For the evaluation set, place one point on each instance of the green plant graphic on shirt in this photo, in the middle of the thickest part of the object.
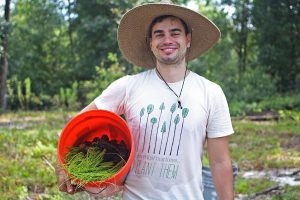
(173, 108)
(163, 130)
(142, 112)
(150, 109)
(176, 121)
(161, 108)
(185, 112)
(153, 121)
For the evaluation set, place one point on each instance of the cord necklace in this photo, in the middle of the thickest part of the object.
(178, 96)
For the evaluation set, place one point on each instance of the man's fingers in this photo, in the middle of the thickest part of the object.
(64, 183)
(62, 187)
(61, 180)
(70, 188)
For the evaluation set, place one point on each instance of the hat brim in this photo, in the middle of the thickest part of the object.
(133, 30)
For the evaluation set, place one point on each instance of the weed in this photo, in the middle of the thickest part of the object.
(29, 139)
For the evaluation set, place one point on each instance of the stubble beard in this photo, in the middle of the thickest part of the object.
(176, 59)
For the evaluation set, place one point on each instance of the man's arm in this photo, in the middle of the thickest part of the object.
(91, 106)
(220, 165)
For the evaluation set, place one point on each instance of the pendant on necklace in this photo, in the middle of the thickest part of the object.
(179, 103)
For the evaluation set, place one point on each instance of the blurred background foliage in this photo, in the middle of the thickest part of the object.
(56, 56)
(63, 53)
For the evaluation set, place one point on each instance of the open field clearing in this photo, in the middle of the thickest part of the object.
(267, 155)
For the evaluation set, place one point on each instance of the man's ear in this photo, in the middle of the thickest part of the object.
(188, 40)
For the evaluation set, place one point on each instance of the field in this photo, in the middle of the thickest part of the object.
(270, 151)
(262, 151)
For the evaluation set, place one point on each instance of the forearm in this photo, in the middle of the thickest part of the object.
(91, 106)
(223, 179)
(220, 165)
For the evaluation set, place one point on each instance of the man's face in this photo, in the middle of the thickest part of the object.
(169, 41)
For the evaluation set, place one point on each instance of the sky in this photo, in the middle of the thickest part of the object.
(192, 5)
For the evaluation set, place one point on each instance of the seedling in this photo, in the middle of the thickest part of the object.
(96, 161)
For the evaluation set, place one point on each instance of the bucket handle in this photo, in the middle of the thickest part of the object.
(95, 193)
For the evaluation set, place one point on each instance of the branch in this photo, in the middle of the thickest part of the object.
(48, 163)
(277, 187)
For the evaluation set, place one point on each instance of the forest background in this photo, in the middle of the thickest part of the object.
(63, 53)
(56, 56)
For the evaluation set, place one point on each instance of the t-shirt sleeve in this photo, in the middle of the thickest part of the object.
(113, 97)
(219, 121)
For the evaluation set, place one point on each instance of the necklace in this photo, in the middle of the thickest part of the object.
(178, 96)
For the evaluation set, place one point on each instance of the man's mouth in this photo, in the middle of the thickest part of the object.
(168, 50)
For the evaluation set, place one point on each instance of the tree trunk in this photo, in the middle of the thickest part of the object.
(3, 59)
(69, 26)
(243, 36)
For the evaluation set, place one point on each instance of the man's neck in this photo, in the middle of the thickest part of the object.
(172, 73)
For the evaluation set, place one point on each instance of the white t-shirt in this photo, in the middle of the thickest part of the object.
(169, 140)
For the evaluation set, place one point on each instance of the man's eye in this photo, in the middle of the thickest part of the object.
(159, 35)
(175, 34)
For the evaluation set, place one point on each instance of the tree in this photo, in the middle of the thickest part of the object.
(39, 46)
(218, 63)
(223, 63)
(242, 23)
(3, 52)
(278, 25)
(94, 25)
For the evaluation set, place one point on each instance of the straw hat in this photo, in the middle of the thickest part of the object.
(134, 27)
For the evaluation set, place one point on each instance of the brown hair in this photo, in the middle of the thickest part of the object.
(161, 18)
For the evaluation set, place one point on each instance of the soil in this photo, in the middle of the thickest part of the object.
(114, 152)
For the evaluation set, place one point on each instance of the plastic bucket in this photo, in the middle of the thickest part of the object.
(85, 127)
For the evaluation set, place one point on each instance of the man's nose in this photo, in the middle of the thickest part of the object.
(168, 39)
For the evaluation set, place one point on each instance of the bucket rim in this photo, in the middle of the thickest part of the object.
(90, 114)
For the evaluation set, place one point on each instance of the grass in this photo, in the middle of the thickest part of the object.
(28, 154)
(291, 193)
(260, 146)
(28, 143)
(252, 186)
(266, 146)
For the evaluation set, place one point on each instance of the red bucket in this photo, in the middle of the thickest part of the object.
(85, 127)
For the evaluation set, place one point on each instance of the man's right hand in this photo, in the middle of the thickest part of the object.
(63, 181)
(65, 185)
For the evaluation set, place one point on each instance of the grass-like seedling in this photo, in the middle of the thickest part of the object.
(95, 161)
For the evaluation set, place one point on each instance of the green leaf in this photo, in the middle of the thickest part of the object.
(164, 127)
(173, 108)
(162, 106)
(150, 108)
(153, 120)
(185, 112)
(177, 119)
(142, 112)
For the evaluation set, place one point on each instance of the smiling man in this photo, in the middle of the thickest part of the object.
(169, 40)
(170, 110)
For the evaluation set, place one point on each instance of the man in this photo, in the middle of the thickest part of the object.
(170, 110)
